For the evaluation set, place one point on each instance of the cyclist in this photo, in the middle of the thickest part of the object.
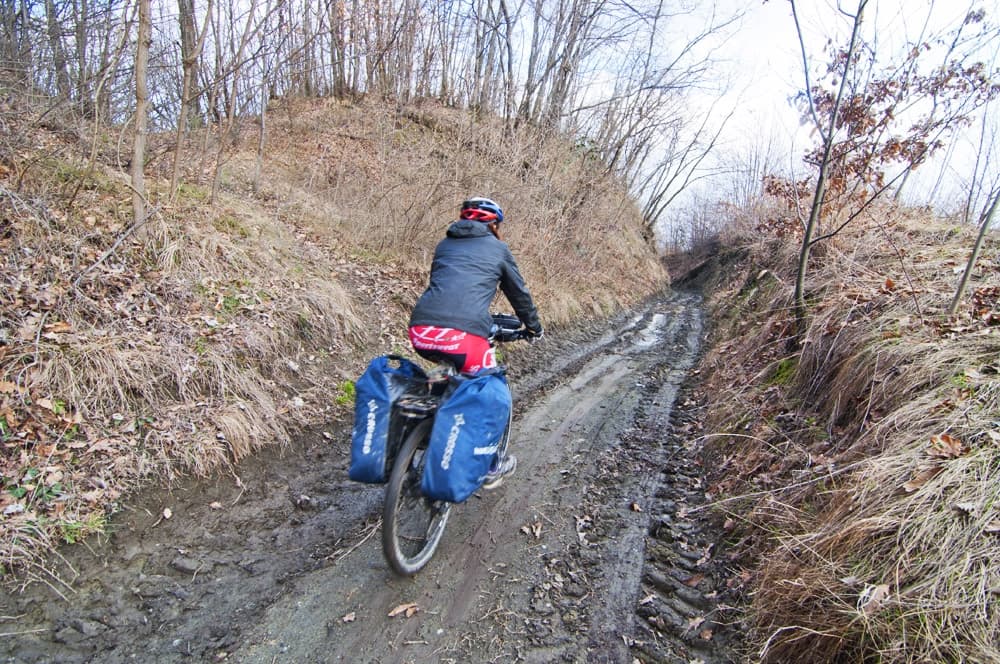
(451, 320)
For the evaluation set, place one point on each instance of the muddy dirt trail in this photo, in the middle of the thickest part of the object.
(588, 553)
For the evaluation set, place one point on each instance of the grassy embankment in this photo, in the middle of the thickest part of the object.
(860, 475)
(125, 363)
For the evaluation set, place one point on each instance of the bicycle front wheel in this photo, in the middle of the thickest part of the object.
(412, 525)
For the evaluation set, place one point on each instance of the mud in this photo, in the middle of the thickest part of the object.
(594, 551)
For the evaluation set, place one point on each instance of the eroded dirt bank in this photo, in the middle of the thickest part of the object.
(590, 552)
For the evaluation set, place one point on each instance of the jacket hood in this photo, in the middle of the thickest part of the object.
(468, 228)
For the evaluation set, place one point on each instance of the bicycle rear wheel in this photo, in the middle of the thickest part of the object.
(412, 525)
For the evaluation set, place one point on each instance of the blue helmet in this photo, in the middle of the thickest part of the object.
(481, 209)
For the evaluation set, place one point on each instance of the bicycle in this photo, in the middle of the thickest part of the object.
(412, 524)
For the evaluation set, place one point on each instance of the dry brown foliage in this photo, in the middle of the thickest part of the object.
(865, 466)
(388, 183)
(124, 364)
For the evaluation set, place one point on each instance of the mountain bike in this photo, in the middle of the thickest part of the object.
(412, 524)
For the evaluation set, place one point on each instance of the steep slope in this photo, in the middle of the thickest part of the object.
(856, 470)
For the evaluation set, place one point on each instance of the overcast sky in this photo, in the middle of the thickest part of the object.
(765, 59)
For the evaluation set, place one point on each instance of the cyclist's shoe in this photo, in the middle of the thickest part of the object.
(494, 478)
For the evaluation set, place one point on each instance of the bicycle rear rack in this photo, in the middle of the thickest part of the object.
(417, 406)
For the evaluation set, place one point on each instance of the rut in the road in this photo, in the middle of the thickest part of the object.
(680, 605)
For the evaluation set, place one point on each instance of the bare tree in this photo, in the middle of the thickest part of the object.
(59, 64)
(825, 163)
(873, 121)
(983, 164)
(143, 41)
(81, 22)
(985, 222)
(191, 48)
(15, 40)
(192, 44)
(339, 46)
(526, 61)
(230, 117)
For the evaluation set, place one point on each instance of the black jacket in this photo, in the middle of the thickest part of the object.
(468, 266)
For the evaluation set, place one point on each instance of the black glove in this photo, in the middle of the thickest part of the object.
(534, 334)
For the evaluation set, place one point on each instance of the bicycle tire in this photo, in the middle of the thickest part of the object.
(412, 525)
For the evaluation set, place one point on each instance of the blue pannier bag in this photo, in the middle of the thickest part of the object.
(385, 380)
(467, 429)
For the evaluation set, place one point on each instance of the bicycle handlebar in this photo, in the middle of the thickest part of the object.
(508, 328)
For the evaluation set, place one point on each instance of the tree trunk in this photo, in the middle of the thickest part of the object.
(308, 56)
(261, 136)
(338, 48)
(141, 113)
(964, 283)
(58, 52)
(231, 100)
(190, 53)
(84, 100)
(356, 43)
(190, 48)
(508, 94)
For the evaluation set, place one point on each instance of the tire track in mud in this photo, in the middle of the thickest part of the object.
(582, 555)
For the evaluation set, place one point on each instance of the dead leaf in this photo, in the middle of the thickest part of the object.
(533, 529)
(92, 496)
(349, 618)
(45, 450)
(706, 634)
(944, 446)
(694, 580)
(923, 476)
(58, 327)
(635, 507)
(872, 598)
(889, 285)
(404, 609)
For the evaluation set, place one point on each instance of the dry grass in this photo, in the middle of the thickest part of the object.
(125, 363)
(868, 461)
(573, 231)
